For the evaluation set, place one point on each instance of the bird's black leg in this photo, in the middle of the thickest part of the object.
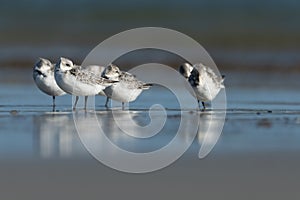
(203, 104)
(123, 106)
(53, 103)
(85, 102)
(76, 100)
(106, 103)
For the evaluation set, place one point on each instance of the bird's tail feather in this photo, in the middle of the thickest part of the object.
(147, 86)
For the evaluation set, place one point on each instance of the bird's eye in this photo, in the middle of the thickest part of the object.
(68, 65)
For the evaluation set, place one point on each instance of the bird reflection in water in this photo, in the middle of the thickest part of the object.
(57, 136)
(210, 126)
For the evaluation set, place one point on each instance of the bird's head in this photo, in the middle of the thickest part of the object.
(185, 70)
(43, 65)
(64, 64)
(111, 72)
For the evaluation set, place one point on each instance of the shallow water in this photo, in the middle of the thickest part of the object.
(261, 110)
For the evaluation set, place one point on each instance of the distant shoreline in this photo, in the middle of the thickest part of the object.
(259, 60)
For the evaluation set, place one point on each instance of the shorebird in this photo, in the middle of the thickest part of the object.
(127, 89)
(43, 76)
(75, 80)
(204, 81)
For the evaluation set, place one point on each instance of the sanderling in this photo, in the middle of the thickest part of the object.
(77, 81)
(43, 76)
(127, 89)
(204, 81)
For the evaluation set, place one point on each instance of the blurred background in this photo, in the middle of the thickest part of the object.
(255, 34)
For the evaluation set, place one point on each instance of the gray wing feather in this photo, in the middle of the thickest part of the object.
(89, 77)
(202, 68)
(132, 82)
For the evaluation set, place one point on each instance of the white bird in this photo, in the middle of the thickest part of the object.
(204, 81)
(127, 89)
(43, 76)
(78, 81)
